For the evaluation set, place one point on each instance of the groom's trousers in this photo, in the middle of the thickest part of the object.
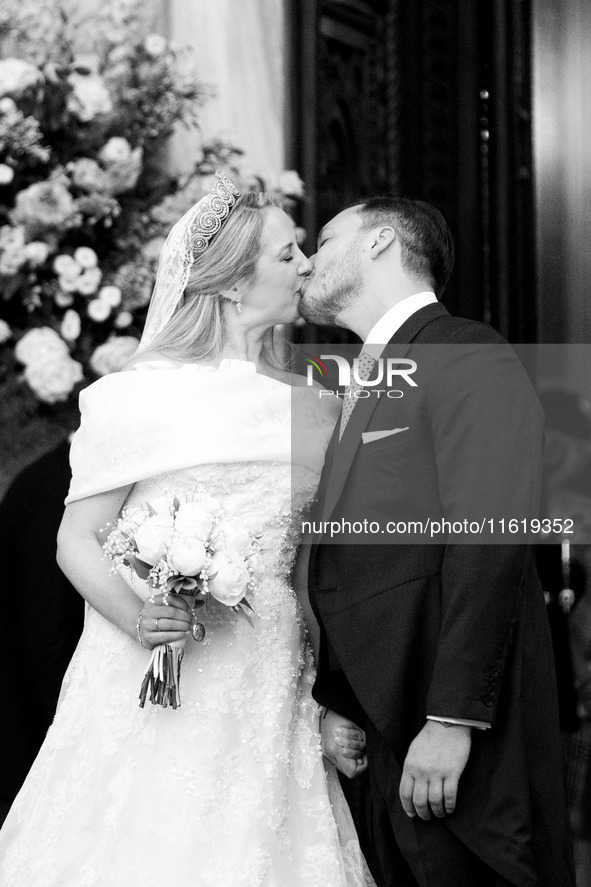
(409, 852)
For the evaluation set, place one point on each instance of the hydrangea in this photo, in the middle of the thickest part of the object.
(112, 356)
(39, 343)
(136, 284)
(53, 377)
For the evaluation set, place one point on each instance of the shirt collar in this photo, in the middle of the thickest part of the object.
(390, 322)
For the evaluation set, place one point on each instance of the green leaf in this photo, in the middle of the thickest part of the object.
(142, 569)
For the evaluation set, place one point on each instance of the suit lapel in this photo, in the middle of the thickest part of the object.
(343, 452)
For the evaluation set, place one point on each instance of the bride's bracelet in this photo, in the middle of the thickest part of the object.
(138, 628)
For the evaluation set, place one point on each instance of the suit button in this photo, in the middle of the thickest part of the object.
(488, 702)
(493, 671)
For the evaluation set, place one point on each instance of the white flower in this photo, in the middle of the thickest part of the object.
(5, 332)
(63, 300)
(192, 519)
(12, 237)
(68, 284)
(71, 326)
(89, 281)
(37, 252)
(153, 248)
(155, 45)
(153, 538)
(116, 150)
(86, 257)
(66, 266)
(111, 295)
(7, 106)
(187, 555)
(113, 354)
(17, 75)
(11, 261)
(231, 580)
(232, 535)
(123, 320)
(98, 310)
(53, 377)
(89, 96)
(290, 183)
(38, 344)
(6, 174)
(87, 175)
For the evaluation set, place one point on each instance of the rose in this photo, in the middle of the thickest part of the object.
(98, 310)
(71, 326)
(113, 354)
(53, 377)
(192, 519)
(123, 320)
(111, 295)
(5, 332)
(38, 344)
(6, 174)
(66, 266)
(87, 175)
(12, 237)
(122, 175)
(187, 555)
(45, 205)
(63, 300)
(231, 578)
(153, 538)
(155, 45)
(116, 150)
(90, 96)
(11, 261)
(17, 75)
(89, 282)
(7, 106)
(232, 535)
(86, 257)
(37, 252)
(290, 183)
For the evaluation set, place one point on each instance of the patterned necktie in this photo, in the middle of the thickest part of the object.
(365, 364)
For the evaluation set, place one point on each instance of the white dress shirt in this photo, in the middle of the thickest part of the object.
(378, 337)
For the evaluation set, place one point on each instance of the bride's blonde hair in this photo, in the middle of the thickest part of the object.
(196, 329)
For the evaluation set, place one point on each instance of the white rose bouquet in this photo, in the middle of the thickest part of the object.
(188, 546)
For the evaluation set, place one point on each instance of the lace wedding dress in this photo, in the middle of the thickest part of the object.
(231, 788)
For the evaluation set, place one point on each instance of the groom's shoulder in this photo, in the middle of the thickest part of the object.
(448, 328)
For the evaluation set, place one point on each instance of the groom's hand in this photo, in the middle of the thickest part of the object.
(432, 769)
(343, 743)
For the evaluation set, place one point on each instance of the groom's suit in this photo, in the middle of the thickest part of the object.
(445, 630)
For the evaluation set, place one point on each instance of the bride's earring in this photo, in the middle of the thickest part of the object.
(238, 300)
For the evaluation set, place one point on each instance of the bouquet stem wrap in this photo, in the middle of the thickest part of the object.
(162, 677)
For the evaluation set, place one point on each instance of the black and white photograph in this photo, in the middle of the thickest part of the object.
(295, 443)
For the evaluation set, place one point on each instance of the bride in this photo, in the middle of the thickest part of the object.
(231, 788)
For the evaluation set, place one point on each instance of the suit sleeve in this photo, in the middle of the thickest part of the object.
(487, 428)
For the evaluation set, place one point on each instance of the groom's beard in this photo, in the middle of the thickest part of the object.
(324, 299)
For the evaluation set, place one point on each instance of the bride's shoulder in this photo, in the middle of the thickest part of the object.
(155, 360)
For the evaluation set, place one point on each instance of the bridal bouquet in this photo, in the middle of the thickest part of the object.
(189, 546)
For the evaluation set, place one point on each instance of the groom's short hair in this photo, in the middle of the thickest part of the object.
(427, 248)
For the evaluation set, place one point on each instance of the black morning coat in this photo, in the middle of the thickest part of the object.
(454, 630)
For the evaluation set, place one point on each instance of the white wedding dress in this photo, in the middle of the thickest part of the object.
(231, 788)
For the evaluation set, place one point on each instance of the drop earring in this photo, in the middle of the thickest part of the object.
(239, 306)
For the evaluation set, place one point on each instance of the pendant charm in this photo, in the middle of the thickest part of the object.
(198, 631)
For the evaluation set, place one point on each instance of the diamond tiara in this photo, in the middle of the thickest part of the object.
(211, 212)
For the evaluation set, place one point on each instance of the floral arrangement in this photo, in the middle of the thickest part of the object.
(187, 545)
(85, 204)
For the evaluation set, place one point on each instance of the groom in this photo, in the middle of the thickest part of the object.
(440, 651)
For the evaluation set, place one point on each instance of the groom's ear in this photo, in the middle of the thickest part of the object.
(381, 239)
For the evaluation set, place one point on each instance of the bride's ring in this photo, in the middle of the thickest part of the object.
(157, 626)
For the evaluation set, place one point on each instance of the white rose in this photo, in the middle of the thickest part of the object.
(71, 326)
(66, 266)
(86, 257)
(290, 183)
(63, 300)
(37, 252)
(111, 356)
(155, 45)
(68, 284)
(39, 343)
(187, 555)
(53, 377)
(16, 76)
(232, 535)
(6, 174)
(123, 320)
(11, 261)
(116, 150)
(7, 106)
(5, 332)
(111, 295)
(231, 579)
(98, 310)
(153, 538)
(89, 96)
(192, 519)
(89, 281)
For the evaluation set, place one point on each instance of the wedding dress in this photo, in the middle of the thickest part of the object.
(231, 788)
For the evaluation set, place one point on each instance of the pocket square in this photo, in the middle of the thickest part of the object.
(368, 436)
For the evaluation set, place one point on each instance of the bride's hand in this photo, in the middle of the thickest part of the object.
(343, 743)
(163, 624)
